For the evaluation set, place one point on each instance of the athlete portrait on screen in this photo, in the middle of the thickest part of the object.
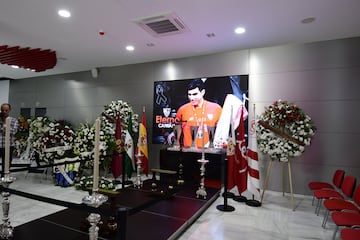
(197, 112)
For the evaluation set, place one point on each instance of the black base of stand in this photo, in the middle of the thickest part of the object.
(253, 203)
(240, 198)
(225, 208)
(228, 194)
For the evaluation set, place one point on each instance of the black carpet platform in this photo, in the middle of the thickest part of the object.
(150, 216)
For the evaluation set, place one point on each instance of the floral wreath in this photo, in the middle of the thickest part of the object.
(284, 130)
(86, 182)
(84, 144)
(57, 142)
(38, 127)
(122, 109)
(22, 135)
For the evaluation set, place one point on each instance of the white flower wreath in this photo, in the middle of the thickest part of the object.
(284, 130)
(38, 127)
(57, 142)
(114, 109)
(84, 143)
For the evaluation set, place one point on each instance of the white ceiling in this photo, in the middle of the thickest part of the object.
(79, 47)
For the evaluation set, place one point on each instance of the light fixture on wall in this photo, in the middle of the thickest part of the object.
(94, 72)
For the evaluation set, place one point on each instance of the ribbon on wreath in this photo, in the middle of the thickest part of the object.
(64, 174)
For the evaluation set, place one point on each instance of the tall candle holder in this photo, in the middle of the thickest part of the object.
(202, 191)
(138, 183)
(6, 230)
(95, 200)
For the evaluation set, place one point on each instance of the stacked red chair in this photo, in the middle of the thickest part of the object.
(347, 188)
(337, 180)
(350, 234)
(342, 205)
(345, 219)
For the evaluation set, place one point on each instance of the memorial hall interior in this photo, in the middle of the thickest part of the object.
(302, 52)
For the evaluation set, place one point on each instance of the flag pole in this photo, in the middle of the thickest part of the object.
(225, 207)
(253, 202)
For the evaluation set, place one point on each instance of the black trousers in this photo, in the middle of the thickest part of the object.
(2, 156)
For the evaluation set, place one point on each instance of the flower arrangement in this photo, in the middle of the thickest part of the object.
(84, 144)
(284, 130)
(38, 127)
(87, 183)
(57, 142)
(21, 135)
(123, 109)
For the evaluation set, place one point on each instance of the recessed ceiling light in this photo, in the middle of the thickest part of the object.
(308, 20)
(130, 48)
(14, 66)
(64, 13)
(239, 30)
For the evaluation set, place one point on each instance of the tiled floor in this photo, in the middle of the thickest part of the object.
(273, 220)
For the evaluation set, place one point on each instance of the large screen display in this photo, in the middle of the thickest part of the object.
(170, 95)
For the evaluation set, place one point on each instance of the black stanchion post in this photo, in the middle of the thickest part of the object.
(253, 203)
(225, 207)
(121, 217)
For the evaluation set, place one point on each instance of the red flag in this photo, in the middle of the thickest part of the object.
(253, 180)
(240, 156)
(143, 145)
(117, 159)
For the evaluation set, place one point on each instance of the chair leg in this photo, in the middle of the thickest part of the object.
(326, 216)
(312, 203)
(335, 231)
(317, 209)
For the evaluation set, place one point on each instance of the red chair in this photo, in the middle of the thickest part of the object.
(341, 204)
(345, 219)
(347, 188)
(350, 234)
(336, 182)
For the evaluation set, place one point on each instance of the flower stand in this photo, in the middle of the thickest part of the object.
(284, 163)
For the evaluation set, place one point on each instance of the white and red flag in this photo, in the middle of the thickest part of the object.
(240, 156)
(253, 180)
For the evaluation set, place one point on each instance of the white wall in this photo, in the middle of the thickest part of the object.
(319, 77)
(323, 79)
(4, 91)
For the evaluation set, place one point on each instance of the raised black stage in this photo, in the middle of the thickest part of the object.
(150, 217)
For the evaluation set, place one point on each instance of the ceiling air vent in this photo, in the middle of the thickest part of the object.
(162, 25)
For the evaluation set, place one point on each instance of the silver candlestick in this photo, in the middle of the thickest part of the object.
(202, 191)
(94, 219)
(138, 182)
(6, 230)
(95, 200)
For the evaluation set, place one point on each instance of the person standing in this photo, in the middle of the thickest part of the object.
(199, 113)
(5, 111)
